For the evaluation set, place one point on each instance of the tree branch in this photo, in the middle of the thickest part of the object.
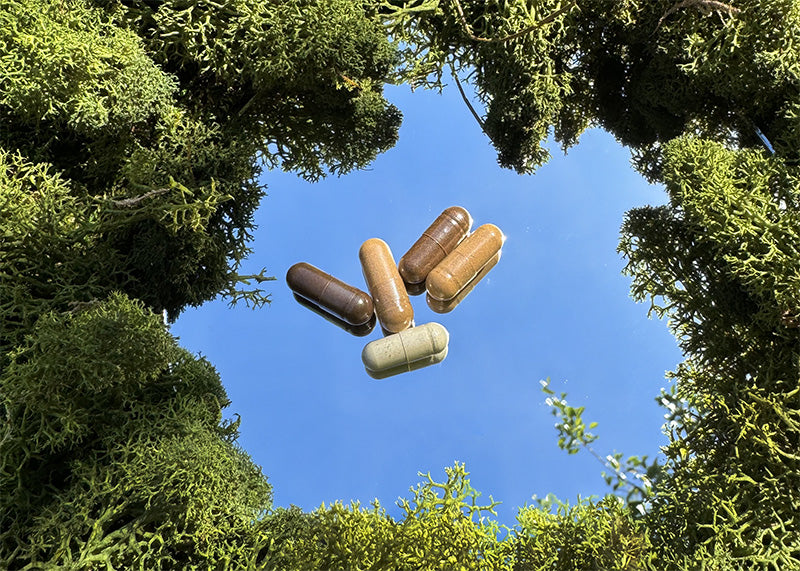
(466, 100)
(468, 29)
(351, 82)
(707, 5)
(134, 201)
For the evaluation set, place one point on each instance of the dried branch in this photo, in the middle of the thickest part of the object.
(705, 5)
(351, 82)
(468, 29)
(131, 202)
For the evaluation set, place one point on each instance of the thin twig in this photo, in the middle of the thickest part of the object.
(706, 4)
(469, 105)
(468, 29)
(131, 202)
(352, 82)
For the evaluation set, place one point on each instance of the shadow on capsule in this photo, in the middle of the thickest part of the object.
(357, 330)
(414, 289)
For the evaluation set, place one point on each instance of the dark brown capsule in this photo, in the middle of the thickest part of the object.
(441, 238)
(344, 301)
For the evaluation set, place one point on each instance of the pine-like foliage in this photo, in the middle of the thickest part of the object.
(113, 454)
(721, 261)
(132, 133)
(444, 527)
(705, 93)
(158, 116)
(647, 71)
(131, 137)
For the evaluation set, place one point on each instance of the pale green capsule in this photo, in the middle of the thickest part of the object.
(405, 351)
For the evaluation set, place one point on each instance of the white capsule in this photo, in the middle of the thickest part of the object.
(406, 351)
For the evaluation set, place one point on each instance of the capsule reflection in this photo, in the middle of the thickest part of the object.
(440, 306)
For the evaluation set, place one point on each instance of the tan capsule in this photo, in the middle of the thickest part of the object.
(406, 351)
(389, 295)
(447, 306)
(452, 275)
(436, 242)
(344, 301)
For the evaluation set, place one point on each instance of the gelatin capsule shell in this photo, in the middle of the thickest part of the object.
(453, 273)
(405, 348)
(392, 304)
(414, 289)
(330, 294)
(422, 363)
(441, 238)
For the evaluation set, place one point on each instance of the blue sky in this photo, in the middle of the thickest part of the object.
(555, 306)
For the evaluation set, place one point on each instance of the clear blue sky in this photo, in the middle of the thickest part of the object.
(555, 306)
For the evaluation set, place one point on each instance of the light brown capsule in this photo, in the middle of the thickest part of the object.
(436, 242)
(452, 275)
(344, 301)
(385, 286)
(449, 305)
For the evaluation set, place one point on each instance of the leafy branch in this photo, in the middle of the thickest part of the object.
(457, 494)
(707, 6)
(543, 22)
(135, 200)
(255, 297)
(635, 475)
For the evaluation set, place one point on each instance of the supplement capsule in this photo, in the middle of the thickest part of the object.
(406, 351)
(357, 330)
(447, 306)
(386, 286)
(344, 301)
(452, 275)
(436, 242)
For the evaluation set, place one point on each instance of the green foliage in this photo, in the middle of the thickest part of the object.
(67, 66)
(131, 142)
(133, 136)
(113, 451)
(588, 535)
(46, 259)
(697, 89)
(162, 114)
(444, 528)
(300, 80)
(636, 475)
(522, 81)
(720, 261)
(645, 71)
